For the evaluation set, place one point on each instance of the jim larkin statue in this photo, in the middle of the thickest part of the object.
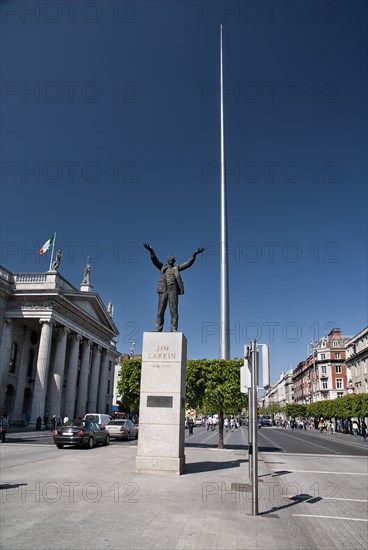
(169, 286)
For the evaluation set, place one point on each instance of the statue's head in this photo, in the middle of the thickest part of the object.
(171, 260)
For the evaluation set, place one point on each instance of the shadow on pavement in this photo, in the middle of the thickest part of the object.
(6, 486)
(208, 466)
(295, 500)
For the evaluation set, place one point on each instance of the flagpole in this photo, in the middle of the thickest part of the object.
(224, 271)
(52, 251)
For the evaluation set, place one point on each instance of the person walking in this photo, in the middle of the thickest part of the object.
(355, 428)
(191, 425)
(4, 426)
(364, 430)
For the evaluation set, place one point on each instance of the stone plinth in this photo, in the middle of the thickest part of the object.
(162, 403)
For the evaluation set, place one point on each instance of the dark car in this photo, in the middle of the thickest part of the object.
(80, 432)
(122, 429)
(265, 420)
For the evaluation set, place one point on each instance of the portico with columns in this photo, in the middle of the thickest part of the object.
(57, 348)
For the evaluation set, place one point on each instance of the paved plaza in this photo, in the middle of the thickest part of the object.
(94, 499)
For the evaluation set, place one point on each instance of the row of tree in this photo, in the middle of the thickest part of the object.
(348, 406)
(213, 385)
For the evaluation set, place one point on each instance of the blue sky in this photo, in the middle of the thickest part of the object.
(110, 136)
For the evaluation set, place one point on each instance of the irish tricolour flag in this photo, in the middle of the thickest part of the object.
(47, 245)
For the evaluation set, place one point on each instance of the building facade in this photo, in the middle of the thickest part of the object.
(357, 362)
(281, 392)
(57, 348)
(322, 375)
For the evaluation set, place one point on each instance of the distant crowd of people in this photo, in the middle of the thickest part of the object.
(328, 425)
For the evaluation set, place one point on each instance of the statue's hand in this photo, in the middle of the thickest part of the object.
(148, 246)
(199, 251)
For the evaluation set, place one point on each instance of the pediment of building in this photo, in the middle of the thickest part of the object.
(92, 305)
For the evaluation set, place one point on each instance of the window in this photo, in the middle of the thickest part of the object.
(337, 355)
(323, 369)
(324, 384)
(323, 356)
(340, 394)
(335, 344)
(338, 369)
(339, 385)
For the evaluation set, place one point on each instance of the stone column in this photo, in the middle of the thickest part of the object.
(104, 376)
(72, 374)
(43, 360)
(95, 375)
(6, 342)
(57, 374)
(83, 380)
(22, 377)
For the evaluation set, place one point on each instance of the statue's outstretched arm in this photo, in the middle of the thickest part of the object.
(154, 258)
(191, 260)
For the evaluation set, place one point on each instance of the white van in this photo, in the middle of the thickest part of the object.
(101, 419)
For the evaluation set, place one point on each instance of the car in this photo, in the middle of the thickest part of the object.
(81, 432)
(101, 419)
(122, 429)
(265, 420)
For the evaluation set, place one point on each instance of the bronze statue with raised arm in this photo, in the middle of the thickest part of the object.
(169, 286)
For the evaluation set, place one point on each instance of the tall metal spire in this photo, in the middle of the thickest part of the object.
(224, 271)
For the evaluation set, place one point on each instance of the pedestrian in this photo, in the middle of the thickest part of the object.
(53, 423)
(214, 422)
(232, 424)
(226, 424)
(4, 426)
(46, 418)
(333, 427)
(355, 428)
(328, 427)
(27, 418)
(364, 430)
(191, 425)
(58, 421)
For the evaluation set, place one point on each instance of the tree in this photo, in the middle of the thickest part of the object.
(214, 385)
(129, 384)
(295, 410)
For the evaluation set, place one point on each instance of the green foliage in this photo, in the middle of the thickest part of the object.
(295, 410)
(272, 408)
(214, 385)
(129, 384)
(343, 407)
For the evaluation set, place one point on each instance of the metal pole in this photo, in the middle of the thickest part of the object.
(224, 270)
(250, 424)
(314, 373)
(254, 382)
(52, 251)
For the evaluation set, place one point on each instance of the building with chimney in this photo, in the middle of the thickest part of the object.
(322, 375)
